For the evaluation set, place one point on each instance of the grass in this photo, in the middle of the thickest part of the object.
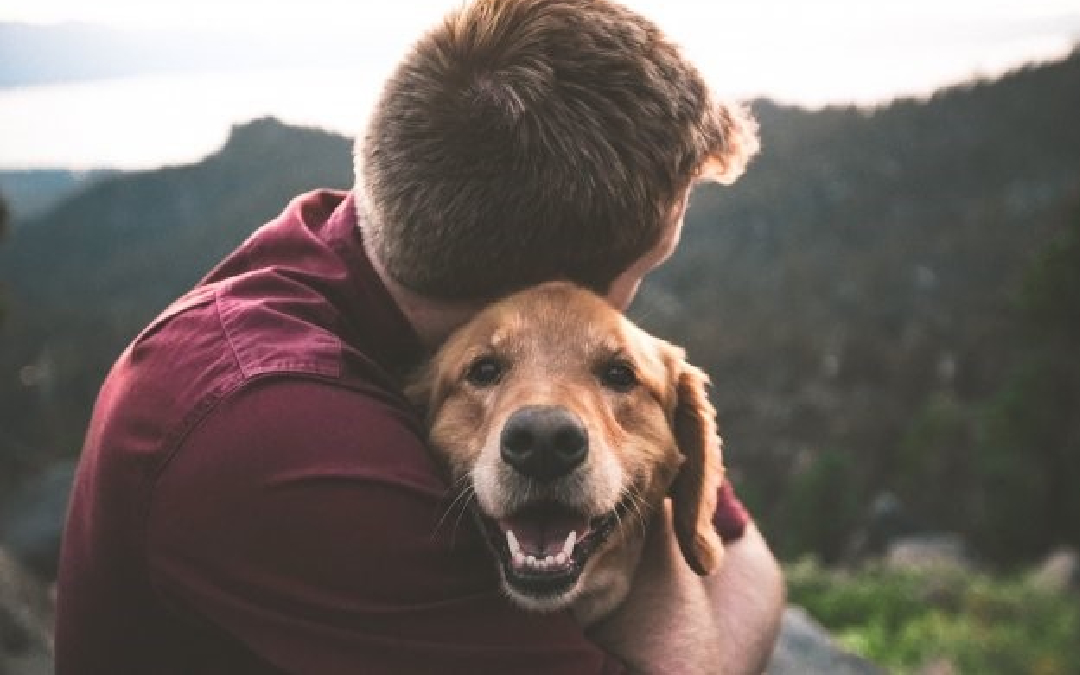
(978, 623)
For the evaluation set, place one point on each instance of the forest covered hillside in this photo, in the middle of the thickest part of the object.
(856, 297)
(862, 298)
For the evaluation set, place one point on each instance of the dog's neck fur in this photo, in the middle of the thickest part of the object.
(610, 583)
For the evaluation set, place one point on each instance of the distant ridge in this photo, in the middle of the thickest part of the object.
(33, 191)
(84, 277)
(173, 223)
(32, 54)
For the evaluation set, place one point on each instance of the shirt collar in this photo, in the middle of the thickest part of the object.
(374, 323)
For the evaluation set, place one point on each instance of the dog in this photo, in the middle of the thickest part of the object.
(567, 427)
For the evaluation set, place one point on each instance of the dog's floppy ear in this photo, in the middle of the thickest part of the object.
(426, 389)
(693, 494)
(420, 384)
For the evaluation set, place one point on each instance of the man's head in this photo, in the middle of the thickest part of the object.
(522, 141)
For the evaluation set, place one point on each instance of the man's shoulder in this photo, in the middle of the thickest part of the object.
(217, 344)
(296, 424)
(222, 334)
(228, 339)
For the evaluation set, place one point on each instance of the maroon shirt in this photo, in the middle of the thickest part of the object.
(254, 495)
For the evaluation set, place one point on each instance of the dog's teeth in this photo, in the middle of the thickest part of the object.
(522, 560)
(568, 547)
(513, 543)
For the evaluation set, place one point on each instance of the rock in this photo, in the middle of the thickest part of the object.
(931, 550)
(33, 519)
(886, 520)
(804, 647)
(26, 619)
(939, 667)
(1059, 572)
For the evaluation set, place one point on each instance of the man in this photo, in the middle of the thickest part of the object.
(255, 496)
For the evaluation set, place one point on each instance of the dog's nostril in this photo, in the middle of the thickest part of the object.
(544, 442)
(517, 440)
(569, 441)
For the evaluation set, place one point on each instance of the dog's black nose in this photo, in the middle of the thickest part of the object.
(544, 442)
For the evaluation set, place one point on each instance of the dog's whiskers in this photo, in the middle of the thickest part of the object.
(461, 514)
(638, 504)
(464, 492)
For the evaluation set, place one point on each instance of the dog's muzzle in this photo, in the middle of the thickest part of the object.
(544, 542)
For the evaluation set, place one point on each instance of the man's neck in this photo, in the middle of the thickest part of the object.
(433, 320)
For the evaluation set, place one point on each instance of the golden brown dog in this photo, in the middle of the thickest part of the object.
(568, 426)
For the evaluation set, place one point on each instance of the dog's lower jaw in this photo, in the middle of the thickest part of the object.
(541, 604)
(599, 590)
(609, 584)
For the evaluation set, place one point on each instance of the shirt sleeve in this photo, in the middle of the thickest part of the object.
(307, 521)
(731, 517)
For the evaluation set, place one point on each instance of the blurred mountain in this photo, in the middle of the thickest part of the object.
(32, 54)
(858, 284)
(852, 295)
(31, 192)
(83, 277)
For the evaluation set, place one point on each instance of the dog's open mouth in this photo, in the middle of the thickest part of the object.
(543, 547)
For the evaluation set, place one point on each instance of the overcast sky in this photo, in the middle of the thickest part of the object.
(808, 52)
(797, 49)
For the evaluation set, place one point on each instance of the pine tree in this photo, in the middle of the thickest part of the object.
(1030, 454)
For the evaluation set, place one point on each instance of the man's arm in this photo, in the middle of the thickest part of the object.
(748, 597)
(675, 621)
(306, 525)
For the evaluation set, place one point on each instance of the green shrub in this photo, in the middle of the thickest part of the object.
(904, 620)
(820, 508)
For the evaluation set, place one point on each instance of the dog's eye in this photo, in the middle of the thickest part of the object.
(485, 371)
(618, 376)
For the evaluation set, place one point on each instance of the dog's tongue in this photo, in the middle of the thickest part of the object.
(543, 531)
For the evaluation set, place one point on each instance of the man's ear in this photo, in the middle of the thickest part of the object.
(694, 491)
(735, 143)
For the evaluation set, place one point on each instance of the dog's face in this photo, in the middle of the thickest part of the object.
(569, 426)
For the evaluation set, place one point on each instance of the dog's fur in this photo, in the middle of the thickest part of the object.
(650, 433)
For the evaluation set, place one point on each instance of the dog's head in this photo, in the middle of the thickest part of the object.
(569, 425)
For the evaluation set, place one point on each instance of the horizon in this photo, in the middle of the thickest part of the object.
(835, 52)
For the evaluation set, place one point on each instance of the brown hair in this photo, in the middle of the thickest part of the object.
(521, 141)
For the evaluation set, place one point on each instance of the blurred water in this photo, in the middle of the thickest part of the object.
(171, 119)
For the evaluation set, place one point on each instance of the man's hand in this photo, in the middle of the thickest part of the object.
(677, 622)
(748, 596)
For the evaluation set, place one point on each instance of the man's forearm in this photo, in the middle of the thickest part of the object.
(748, 596)
(677, 622)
